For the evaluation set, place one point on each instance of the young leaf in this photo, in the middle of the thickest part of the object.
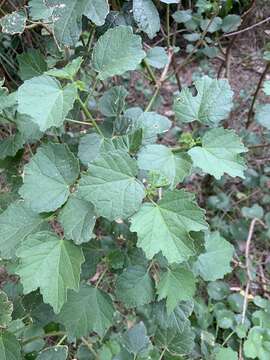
(88, 310)
(136, 341)
(48, 176)
(13, 23)
(45, 101)
(78, 220)
(10, 348)
(219, 153)
(16, 223)
(217, 251)
(110, 184)
(54, 353)
(212, 103)
(117, 51)
(176, 284)
(134, 287)
(6, 307)
(69, 71)
(173, 166)
(51, 264)
(31, 64)
(146, 16)
(169, 220)
(174, 341)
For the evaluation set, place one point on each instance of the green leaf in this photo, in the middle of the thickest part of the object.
(78, 220)
(66, 16)
(262, 115)
(110, 184)
(226, 354)
(67, 72)
(169, 220)
(218, 251)
(88, 310)
(146, 16)
(266, 87)
(231, 23)
(157, 57)
(182, 16)
(16, 223)
(176, 342)
(54, 353)
(257, 343)
(90, 147)
(28, 130)
(45, 101)
(136, 341)
(11, 145)
(212, 25)
(219, 153)
(255, 211)
(212, 103)
(116, 52)
(31, 64)
(176, 284)
(10, 348)
(48, 176)
(112, 102)
(39, 10)
(173, 166)
(177, 319)
(96, 11)
(134, 287)
(6, 308)
(53, 280)
(13, 23)
(152, 124)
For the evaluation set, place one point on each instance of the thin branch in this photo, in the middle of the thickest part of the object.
(247, 28)
(88, 114)
(247, 250)
(250, 113)
(160, 81)
(198, 44)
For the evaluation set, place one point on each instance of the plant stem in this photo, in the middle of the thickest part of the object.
(248, 242)
(250, 113)
(153, 98)
(89, 346)
(163, 352)
(150, 71)
(100, 278)
(52, 334)
(198, 44)
(88, 114)
(168, 25)
(79, 122)
(61, 340)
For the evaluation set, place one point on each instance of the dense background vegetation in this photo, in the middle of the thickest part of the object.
(134, 179)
